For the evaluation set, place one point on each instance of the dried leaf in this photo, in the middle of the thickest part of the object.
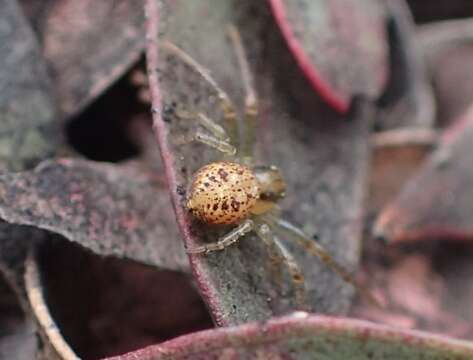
(301, 336)
(28, 131)
(427, 290)
(88, 45)
(436, 202)
(397, 155)
(323, 160)
(340, 46)
(408, 100)
(109, 209)
(448, 51)
(55, 345)
(28, 134)
(132, 306)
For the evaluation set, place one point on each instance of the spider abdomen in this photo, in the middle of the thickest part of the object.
(223, 193)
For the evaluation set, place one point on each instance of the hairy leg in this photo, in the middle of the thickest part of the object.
(279, 254)
(229, 239)
(316, 249)
(217, 137)
(228, 108)
(251, 101)
(214, 142)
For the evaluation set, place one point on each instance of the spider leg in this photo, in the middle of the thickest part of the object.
(316, 249)
(217, 137)
(231, 238)
(214, 142)
(213, 127)
(229, 113)
(206, 122)
(251, 101)
(279, 254)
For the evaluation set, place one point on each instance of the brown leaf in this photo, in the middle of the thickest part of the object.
(109, 209)
(340, 46)
(397, 155)
(412, 286)
(436, 202)
(428, 290)
(408, 101)
(106, 306)
(28, 134)
(448, 51)
(28, 131)
(88, 45)
(301, 336)
(322, 156)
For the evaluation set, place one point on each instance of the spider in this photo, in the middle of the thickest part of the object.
(236, 191)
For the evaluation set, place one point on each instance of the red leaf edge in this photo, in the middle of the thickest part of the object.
(322, 87)
(297, 324)
(152, 58)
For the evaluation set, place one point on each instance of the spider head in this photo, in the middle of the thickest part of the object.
(272, 188)
(271, 183)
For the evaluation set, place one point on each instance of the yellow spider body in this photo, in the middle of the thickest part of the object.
(223, 193)
(237, 192)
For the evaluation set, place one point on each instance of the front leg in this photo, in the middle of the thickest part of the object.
(251, 101)
(216, 137)
(231, 238)
(221, 145)
(229, 113)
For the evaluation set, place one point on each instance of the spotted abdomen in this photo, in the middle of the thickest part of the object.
(222, 193)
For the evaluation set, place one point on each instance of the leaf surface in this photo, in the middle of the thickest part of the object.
(108, 209)
(302, 336)
(323, 160)
(341, 46)
(87, 44)
(436, 202)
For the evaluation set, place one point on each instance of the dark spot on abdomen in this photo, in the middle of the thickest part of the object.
(223, 174)
(235, 205)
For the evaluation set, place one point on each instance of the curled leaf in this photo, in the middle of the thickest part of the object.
(397, 155)
(28, 134)
(109, 209)
(301, 336)
(408, 101)
(57, 347)
(88, 306)
(448, 50)
(436, 202)
(28, 131)
(323, 160)
(341, 46)
(88, 45)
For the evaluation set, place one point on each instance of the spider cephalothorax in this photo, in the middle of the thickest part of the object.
(234, 191)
